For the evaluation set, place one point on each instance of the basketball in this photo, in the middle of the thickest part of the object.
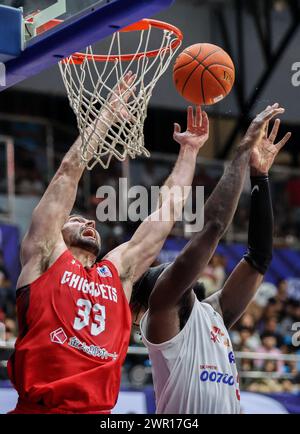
(204, 74)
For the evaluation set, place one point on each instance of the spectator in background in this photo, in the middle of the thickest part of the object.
(290, 366)
(292, 315)
(293, 193)
(246, 364)
(273, 309)
(245, 334)
(3, 269)
(282, 287)
(10, 330)
(266, 384)
(247, 320)
(30, 183)
(244, 338)
(271, 325)
(269, 366)
(259, 304)
(2, 327)
(269, 346)
(5, 283)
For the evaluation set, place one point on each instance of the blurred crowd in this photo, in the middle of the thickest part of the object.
(31, 180)
(269, 327)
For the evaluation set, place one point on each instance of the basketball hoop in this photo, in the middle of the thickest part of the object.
(93, 81)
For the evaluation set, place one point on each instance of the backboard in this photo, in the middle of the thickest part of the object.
(74, 24)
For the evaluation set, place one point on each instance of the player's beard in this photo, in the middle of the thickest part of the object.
(84, 243)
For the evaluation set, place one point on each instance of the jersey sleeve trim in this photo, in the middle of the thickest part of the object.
(172, 341)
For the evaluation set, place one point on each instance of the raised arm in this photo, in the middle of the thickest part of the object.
(43, 241)
(179, 277)
(244, 281)
(134, 257)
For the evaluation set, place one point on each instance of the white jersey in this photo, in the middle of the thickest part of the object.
(195, 372)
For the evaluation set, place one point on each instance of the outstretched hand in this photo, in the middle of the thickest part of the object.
(197, 131)
(257, 130)
(116, 107)
(265, 150)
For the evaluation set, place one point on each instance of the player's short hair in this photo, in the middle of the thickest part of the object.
(144, 286)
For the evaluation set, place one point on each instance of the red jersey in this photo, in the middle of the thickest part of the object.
(74, 329)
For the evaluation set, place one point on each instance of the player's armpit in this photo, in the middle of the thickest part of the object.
(164, 324)
(214, 301)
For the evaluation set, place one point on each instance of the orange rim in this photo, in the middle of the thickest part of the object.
(145, 24)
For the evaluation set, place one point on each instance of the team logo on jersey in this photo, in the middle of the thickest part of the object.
(217, 336)
(58, 336)
(104, 271)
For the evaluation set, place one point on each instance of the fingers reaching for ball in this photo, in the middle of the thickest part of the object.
(269, 113)
(197, 131)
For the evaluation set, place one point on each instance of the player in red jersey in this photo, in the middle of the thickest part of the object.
(73, 313)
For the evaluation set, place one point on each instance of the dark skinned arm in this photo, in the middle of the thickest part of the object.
(178, 279)
(241, 286)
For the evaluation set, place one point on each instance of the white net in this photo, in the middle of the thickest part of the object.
(110, 108)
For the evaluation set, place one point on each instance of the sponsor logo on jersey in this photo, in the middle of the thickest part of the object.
(104, 271)
(218, 336)
(92, 350)
(58, 336)
(214, 376)
(231, 357)
(208, 367)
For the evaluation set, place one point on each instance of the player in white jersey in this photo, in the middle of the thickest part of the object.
(193, 363)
